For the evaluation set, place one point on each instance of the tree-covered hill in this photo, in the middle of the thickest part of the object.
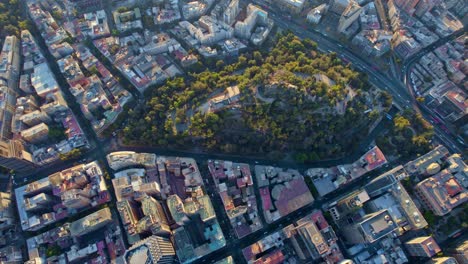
(293, 99)
(11, 21)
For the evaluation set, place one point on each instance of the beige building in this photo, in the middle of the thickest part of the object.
(459, 252)
(36, 134)
(422, 247)
(14, 156)
(35, 118)
(294, 6)
(7, 219)
(351, 14)
(441, 193)
(153, 249)
(91, 222)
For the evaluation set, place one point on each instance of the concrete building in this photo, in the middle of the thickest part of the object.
(293, 6)
(39, 202)
(315, 14)
(11, 255)
(339, 6)
(10, 62)
(211, 31)
(36, 134)
(349, 204)
(310, 240)
(55, 103)
(371, 228)
(76, 198)
(425, 6)
(459, 251)
(425, 164)
(14, 156)
(422, 247)
(255, 15)
(35, 118)
(7, 219)
(229, 16)
(127, 20)
(390, 194)
(7, 109)
(349, 15)
(121, 159)
(441, 193)
(91, 223)
(152, 250)
(43, 80)
(409, 6)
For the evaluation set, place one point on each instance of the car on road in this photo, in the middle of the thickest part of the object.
(445, 129)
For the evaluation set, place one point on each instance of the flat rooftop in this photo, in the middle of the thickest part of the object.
(378, 225)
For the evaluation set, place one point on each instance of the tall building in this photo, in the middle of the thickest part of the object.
(459, 251)
(39, 202)
(310, 241)
(10, 62)
(442, 192)
(293, 6)
(36, 134)
(6, 212)
(229, 16)
(350, 14)
(425, 6)
(351, 203)
(14, 156)
(339, 6)
(35, 118)
(371, 228)
(7, 109)
(152, 250)
(91, 222)
(422, 247)
(243, 29)
(409, 6)
(155, 219)
(76, 198)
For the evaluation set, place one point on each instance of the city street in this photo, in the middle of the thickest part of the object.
(402, 97)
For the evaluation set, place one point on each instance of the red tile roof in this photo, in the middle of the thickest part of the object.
(266, 198)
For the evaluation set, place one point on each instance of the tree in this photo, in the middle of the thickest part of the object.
(24, 24)
(73, 154)
(219, 64)
(93, 70)
(287, 117)
(122, 9)
(430, 217)
(57, 15)
(401, 123)
(56, 133)
(257, 56)
(427, 78)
